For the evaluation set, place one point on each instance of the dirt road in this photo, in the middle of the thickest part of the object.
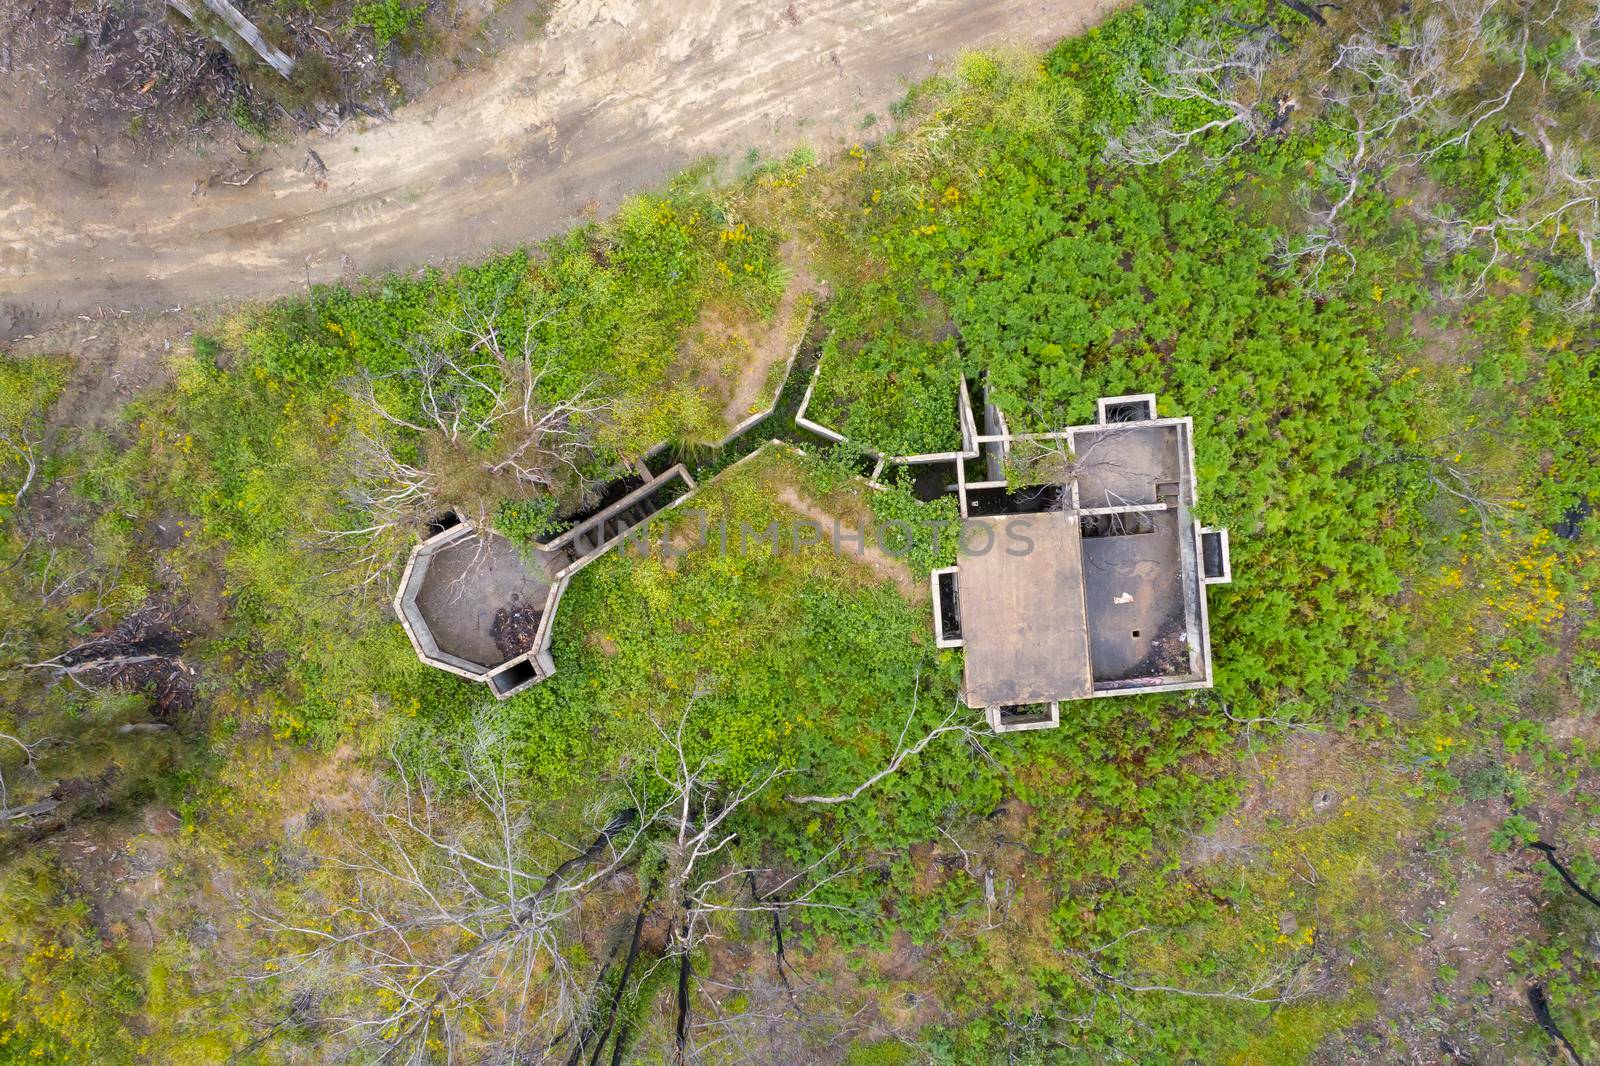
(614, 97)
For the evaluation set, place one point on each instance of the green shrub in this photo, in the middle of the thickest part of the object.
(528, 521)
(64, 996)
(389, 20)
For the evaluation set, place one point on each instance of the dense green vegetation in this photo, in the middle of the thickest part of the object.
(1068, 285)
(603, 304)
(1398, 427)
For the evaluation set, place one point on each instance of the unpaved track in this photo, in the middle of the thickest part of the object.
(614, 98)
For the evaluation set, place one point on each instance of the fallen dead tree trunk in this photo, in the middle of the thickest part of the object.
(131, 728)
(685, 986)
(70, 799)
(1549, 852)
(558, 877)
(30, 810)
(622, 987)
(1541, 1013)
(246, 30)
(142, 652)
(111, 663)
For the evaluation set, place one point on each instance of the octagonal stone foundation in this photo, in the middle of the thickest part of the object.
(457, 585)
(474, 605)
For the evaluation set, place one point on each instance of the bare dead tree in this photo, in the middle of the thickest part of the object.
(708, 874)
(1403, 76)
(1227, 78)
(1346, 168)
(484, 430)
(446, 930)
(1466, 125)
(443, 919)
(30, 754)
(698, 889)
(1460, 234)
(1381, 87)
(1087, 465)
(1404, 88)
(1409, 89)
(1568, 200)
(21, 445)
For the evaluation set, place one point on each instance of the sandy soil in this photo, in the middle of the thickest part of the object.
(616, 96)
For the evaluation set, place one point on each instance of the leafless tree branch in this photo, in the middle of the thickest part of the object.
(1225, 77)
(950, 724)
(484, 430)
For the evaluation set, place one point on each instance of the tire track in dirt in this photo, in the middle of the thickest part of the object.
(617, 96)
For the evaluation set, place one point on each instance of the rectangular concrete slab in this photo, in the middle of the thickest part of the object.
(1022, 614)
(1133, 593)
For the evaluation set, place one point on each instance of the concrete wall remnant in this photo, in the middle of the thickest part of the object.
(473, 604)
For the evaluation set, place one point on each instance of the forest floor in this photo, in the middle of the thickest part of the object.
(611, 98)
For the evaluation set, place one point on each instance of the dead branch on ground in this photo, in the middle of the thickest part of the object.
(1287, 983)
(952, 723)
(21, 446)
(30, 754)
